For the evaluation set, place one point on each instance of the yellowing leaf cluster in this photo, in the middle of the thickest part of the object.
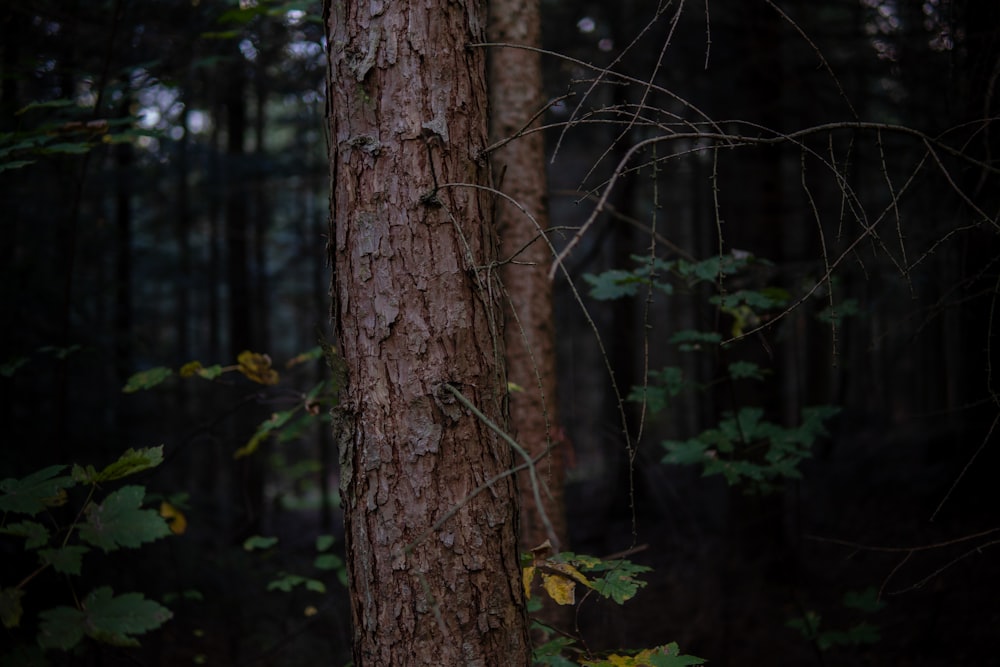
(559, 579)
(257, 367)
(175, 518)
(668, 654)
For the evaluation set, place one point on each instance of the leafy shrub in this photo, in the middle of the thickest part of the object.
(106, 520)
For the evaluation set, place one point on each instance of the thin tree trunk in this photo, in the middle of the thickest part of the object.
(516, 94)
(430, 513)
(237, 277)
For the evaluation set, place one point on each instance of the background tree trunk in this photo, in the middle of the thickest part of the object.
(434, 573)
(516, 96)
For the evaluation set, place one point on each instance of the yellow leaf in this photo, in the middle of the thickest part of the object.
(527, 576)
(257, 367)
(190, 369)
(252, 444)
(559, 588)
(310, 611)
(568, 571)
(58, 500)
(175, 518)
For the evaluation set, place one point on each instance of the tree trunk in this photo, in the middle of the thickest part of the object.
(516, 93)
(432, 550)
(237, 273)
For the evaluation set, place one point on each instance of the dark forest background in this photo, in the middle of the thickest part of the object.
(164, 199)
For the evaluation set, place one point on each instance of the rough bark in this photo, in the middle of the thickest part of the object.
(517, 96)
(433, 565)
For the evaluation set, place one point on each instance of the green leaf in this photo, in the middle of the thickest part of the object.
(190, 594)
(61, 628)
(286, 582)
(748, 425)
(104, 617)
(61, 352)
(15, 164)
(807, 625)
(620, 583)
(550, 653)
(295, 429)
(762, 299)
(663, 385)
(691, 339)
(862, 633)
(120, 521)
(684, 452)
(324, 542)
(50, 104)
(73, 148)
(66, 560)
(12, 365)
(242, 15)
(614, 284)
(10, 606)
(259, 542)
(746, 369)
(146, 379)
(669, 656)
(328, 562)
(222, 34)
(866, 600)
(35, 534)
(129, 463)
(210, 372)
(846, 308)
(35, 492)
(707, 270)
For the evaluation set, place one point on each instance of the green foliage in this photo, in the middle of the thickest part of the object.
(660, 274)
(836, 313)
(667, 655)
(663, 385)
(147, 379)
(117, 521)
(285, 425)
(15, 364)
(327, 561)
(65, 560)
(613, 579)
(258, 542)
(31, 495)
(104, 617)
(120, 521)
(743, 447)
(60, 127)
(551, 652)
(286, 582)
(867, 602)
(10, 606)
(129, 463)
(747, 448)
(36, 535)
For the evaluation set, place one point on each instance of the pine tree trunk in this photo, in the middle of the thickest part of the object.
(516, 92)
(433, 564)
